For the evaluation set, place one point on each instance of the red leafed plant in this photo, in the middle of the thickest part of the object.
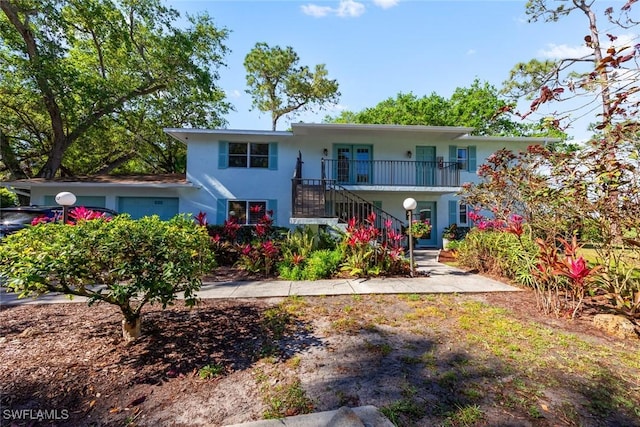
(576, 269)
(571, 266)
(201, 218)
(370, 251)
(82, 212)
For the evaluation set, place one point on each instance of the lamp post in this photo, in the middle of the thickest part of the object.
(65, 199)
(409, 205)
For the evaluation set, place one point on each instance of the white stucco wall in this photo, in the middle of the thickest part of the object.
(253, 184)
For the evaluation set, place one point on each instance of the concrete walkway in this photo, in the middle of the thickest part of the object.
(432, 277)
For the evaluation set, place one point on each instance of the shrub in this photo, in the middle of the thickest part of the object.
(254, 248)
(366, 256)
(453, 245)
(7, 198)
(499, 253)
(124, 262)
(322, 264)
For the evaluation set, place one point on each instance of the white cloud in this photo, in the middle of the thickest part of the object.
(350, 9)
(386, 4)
(345, 9)
(234, 93)
(471, 52)
(316, 11)
(560, 51)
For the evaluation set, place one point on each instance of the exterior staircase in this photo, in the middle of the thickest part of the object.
(323, 201)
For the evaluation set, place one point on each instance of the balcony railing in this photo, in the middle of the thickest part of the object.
(392, 172)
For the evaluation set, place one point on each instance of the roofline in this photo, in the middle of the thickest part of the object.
(379, 127)
(528, 139)
(463, 132)
(75, 184)
(181, 133)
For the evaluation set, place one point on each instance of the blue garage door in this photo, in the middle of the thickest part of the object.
(95, 201)
(165, 207)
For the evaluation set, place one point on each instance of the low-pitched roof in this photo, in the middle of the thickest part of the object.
(141, 181)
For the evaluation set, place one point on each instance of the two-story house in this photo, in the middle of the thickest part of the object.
(328, 173)
(313, 174)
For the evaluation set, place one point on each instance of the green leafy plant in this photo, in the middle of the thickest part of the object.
(7, 198)
(453, 245)
(497, 252)
(125, 262)
(298, 251)
(210, 371)
(322, 264)
(419, 228)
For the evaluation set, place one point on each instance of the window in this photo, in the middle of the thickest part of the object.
(462, 157)
(246, 212)
(463, 218)
(248, 154)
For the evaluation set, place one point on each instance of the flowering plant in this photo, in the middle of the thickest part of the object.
(419, 228)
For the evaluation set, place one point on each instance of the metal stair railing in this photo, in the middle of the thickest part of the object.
(347, 205)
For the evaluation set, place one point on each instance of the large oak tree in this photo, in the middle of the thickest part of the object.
(83, 81)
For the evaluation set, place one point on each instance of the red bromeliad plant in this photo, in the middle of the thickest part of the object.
(201, 218)
(262, 253)
(259, 257)
(366, 255)
(561, 275)
(82, 213)
(76, 214)
(576, 269)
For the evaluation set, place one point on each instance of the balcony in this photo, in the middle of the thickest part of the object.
(391, 173)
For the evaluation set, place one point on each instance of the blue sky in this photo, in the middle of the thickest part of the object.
(378, 48)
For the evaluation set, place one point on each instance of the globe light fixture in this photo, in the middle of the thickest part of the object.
(409, 205)
(65, 199)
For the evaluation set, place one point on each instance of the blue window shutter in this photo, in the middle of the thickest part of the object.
(223, 154)
(273, 155)
(453, 212)
(453, 153)
(221, 211)
(272, 205)
(471, 162)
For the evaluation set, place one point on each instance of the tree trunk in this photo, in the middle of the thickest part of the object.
(54, 161)
(131, 329)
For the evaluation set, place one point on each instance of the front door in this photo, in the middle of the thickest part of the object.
(425, 162)
(427, 211)
(354, 165)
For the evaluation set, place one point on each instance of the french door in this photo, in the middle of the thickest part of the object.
(354, 164)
